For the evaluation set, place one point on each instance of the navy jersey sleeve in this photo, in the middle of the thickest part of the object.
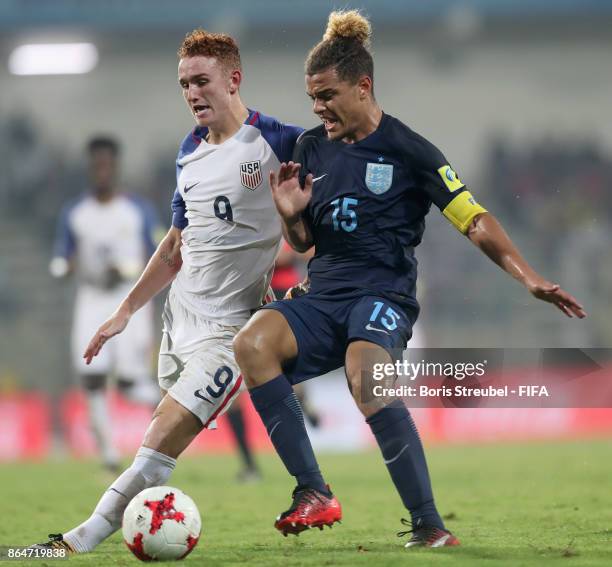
(188, 145)
(178, 211)
(289, 139)
(299, 150)
(300, 155)
(440, 183)
(281, 137)
(65, 241)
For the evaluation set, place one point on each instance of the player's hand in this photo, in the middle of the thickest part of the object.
(110, 328)
(552, 293)
(289, 197)
(299, 289)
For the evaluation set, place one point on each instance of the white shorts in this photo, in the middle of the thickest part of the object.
(196, 362)
(128, 355)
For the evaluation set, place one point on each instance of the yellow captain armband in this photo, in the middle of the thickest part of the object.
(462, 210)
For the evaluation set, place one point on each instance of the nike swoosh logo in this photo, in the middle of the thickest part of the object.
(274, 429)
(370, 328)
(320, 177)
(199, 394)
(389, 461)
(189, 187)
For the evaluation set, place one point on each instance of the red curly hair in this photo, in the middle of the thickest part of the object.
(219, 45)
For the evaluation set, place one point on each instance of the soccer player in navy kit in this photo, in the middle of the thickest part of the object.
(358, 189)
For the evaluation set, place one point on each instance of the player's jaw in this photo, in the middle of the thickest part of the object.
(331, 123)
(333, 102)
(338, 123)
(201, 111)
(334, 120)
(210, 110)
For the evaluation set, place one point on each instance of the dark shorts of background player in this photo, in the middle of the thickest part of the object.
(324, 327)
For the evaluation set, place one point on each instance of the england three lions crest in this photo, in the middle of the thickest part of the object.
(250, 174)
(379, 177)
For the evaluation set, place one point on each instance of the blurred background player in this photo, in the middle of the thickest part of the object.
(289, 270)
(105, 237)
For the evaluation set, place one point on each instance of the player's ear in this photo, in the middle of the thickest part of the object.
(364, 84)
(235, 79)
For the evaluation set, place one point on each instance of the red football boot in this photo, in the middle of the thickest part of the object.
(428, 536)
(310, 509)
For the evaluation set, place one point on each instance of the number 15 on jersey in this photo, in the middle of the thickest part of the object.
(343, 216)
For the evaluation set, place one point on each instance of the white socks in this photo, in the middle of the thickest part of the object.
(150, 468)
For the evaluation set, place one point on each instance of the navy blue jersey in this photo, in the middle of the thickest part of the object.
(368, 207)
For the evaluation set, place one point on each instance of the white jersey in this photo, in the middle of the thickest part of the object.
(230, 228)
(98, 235)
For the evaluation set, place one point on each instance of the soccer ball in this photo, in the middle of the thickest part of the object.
(161, 523)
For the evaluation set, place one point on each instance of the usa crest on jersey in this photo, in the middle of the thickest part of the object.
(250, 174)
(379, 177)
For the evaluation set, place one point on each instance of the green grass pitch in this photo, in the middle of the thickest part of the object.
(535, 504)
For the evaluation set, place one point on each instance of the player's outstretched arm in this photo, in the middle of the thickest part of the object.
(291, 201)
(159, 272)
(487, 233)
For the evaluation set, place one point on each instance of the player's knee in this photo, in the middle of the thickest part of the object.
(172, 429)
(160, 432)
(354, 374)
(352, 381)
(249, 348)
(256, 355)
(361, 386)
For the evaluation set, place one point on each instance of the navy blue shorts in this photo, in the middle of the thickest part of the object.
(324, 327)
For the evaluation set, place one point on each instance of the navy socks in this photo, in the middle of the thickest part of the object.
(402, 451)
(392, 426)
(281, 413)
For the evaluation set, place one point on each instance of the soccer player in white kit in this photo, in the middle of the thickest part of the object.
(219, 255)
(105, 238)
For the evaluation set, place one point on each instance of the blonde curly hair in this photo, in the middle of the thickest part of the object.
(348, 24)
(344, 47)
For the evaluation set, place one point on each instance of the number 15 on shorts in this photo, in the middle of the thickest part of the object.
(388, 317)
